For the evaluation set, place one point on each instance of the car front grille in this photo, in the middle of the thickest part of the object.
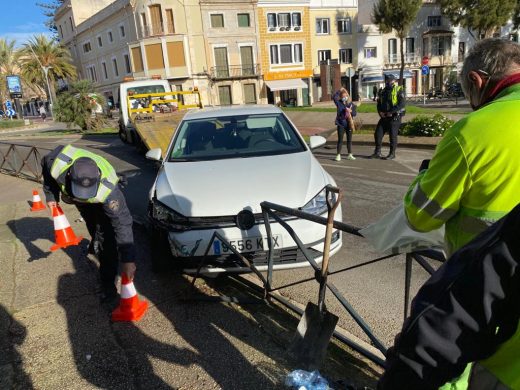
(229, 220)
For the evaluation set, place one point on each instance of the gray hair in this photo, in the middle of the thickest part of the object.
(495, 56)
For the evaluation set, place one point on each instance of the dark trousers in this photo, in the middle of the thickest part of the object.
(341, 132)
(390, 126)
(103, 243)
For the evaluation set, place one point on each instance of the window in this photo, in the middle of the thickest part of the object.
(284, 21)
(114, 63)
(221, 61)
(128, 68)
(217, 20)
(324, 55)
(61, 32)
(410, 49)
(104, 67)
(440, 45)
(170, 25)
(322, 26)
(249, 94)
(425, 47)
(122, 32)
(86, 47)
(434, 21)
(110, 36)
(224, 95)
(243, 20)
(156, 19)
(246, 58)
(462, 51)
(99, 41)
(91, 73)
(71, 24)
(344, 26)
(392, 51)
(370, 52)
(345, 56)
(289, 53)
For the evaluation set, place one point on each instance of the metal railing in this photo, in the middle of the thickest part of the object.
(234, 71)
(22, 161)
(409, 58)
(271, 213)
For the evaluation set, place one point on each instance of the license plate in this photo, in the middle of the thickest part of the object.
(244, 245)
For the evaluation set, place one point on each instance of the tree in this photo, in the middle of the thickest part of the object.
(42, 51)
(80, 105)
(8, 63)
(49, 10)
(481, 16)
(396, 15)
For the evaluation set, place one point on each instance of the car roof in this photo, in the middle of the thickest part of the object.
(246, 109)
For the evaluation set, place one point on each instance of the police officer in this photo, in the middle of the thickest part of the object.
(390, 106)
(91, 183)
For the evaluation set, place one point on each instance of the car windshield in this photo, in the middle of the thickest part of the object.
(145, 89)
(235, 137)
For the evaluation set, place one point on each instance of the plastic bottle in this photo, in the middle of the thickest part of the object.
(304, 380)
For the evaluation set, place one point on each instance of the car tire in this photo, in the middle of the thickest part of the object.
(161, 256)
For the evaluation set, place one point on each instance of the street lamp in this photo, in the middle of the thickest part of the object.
(46, 73)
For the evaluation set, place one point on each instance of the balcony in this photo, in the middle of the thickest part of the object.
(157, 29)
(235, 72)
(395, 59)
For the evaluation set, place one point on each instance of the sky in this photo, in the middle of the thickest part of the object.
(21, 19)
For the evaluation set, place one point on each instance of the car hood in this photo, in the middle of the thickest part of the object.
(225, 187)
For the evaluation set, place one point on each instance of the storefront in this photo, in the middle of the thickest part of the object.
(288, 89)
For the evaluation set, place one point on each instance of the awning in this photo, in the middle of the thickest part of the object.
(372, 79)
(407, 74)
(282, 85)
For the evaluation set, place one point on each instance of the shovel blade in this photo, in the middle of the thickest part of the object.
(309, 344)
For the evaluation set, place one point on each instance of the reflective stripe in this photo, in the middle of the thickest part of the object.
(432, 207)
(128, 291)
(102, 194)
(64, 158)
(36, 198)
(474, 225)
(61, 222)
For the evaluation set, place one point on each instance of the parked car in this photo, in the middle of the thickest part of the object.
(220, 165)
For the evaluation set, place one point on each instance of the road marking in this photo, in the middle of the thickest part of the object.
(349, 167)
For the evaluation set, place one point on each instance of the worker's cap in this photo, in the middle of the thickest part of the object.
(84, 177)
(390, 77)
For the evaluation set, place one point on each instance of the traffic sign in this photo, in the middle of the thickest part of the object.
(350, 72)
(425, 69)
(425, 60)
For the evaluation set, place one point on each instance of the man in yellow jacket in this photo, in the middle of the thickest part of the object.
(473, 179)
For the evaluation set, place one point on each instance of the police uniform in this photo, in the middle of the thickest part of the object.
(106, 214)
(391, 102)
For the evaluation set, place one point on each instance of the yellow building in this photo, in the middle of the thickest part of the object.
(333, 45)
(284, 32)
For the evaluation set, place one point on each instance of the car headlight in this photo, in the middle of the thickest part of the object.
(318, 204)
(168, 217)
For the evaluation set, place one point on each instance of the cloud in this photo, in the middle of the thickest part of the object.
(23, 37)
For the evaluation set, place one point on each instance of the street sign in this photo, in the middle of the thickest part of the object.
(350, 72)
(425, 60)
(425, 69)
(9, 109)
(14, 86)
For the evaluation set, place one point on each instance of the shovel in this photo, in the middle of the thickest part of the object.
(309, 344)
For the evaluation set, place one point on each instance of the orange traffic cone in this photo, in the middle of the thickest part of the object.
(130, 307)
(37, 204)
(64, 234)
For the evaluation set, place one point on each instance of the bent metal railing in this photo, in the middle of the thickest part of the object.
(22, 161)
(271, 213)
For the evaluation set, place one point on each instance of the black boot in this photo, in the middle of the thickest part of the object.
(390, 156)
(377, 154)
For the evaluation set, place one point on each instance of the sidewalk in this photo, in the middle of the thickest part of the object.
(54, 333)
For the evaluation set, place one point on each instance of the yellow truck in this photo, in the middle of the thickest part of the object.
(150, 112)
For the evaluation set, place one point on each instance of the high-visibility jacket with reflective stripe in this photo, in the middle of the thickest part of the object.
(474, 176)
(66, 158)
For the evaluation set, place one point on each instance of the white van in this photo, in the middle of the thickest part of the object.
(126, 129)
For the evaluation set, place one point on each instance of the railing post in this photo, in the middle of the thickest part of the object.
(269, 254)
(407, 282)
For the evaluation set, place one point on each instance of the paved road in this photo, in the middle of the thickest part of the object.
(370, 188)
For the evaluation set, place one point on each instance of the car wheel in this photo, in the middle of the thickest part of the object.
(161, 256)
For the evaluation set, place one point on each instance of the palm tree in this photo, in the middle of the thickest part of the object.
(41, 51)
(8, 63)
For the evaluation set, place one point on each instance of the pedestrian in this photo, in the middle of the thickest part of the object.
(466, 312)
(390, 106)
(90, 183)
(374, 92)
(346, 111)
(473, 178)
(43, 112)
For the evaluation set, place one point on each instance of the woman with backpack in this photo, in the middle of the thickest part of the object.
(346, 111)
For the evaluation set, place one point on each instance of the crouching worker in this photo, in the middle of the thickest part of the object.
(467, 312)
(90, 183)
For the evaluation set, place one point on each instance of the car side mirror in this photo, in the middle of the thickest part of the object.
(154, 154)
(316, 141)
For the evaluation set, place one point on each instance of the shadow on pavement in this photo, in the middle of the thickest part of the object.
(25, 230)
(12, 333)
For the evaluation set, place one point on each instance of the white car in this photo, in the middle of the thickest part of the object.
(220, 165)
